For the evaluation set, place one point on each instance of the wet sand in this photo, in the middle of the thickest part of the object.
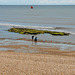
(47, 41)
(43, 61)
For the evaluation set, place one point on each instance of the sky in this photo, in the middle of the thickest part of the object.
(37, 2)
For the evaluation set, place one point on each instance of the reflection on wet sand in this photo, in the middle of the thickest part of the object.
(25, 44)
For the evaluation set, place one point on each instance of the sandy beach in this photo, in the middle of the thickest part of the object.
(47, 61)
(53, 54)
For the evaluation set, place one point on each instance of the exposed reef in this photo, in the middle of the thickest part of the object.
(34, 31)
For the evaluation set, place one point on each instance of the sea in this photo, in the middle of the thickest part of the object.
(59, 18)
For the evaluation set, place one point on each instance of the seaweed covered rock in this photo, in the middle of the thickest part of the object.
(34, 31)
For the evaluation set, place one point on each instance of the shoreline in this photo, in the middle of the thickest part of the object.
(37, 50)
(46, 41)
(29, 43)
(33, 48)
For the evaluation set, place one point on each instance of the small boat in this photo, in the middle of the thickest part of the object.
(31, 7)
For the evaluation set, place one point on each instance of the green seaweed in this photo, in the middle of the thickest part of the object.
(34, 31)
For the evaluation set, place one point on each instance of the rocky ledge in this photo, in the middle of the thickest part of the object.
(34, 31)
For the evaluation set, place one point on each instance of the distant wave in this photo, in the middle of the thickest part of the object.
(72, 33)
(25, 26)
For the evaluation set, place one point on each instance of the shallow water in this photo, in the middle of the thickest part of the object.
(63, 47)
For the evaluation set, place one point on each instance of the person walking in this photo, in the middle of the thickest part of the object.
(35, 39)
(32, 38)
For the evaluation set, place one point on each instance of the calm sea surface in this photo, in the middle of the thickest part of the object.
(54, 18)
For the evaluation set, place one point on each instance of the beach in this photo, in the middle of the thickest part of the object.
(51, 54)
(36, 60)
(12, 63)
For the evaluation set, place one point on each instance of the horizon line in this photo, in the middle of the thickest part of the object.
(51, 4)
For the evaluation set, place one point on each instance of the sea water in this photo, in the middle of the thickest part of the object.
(44, 17)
